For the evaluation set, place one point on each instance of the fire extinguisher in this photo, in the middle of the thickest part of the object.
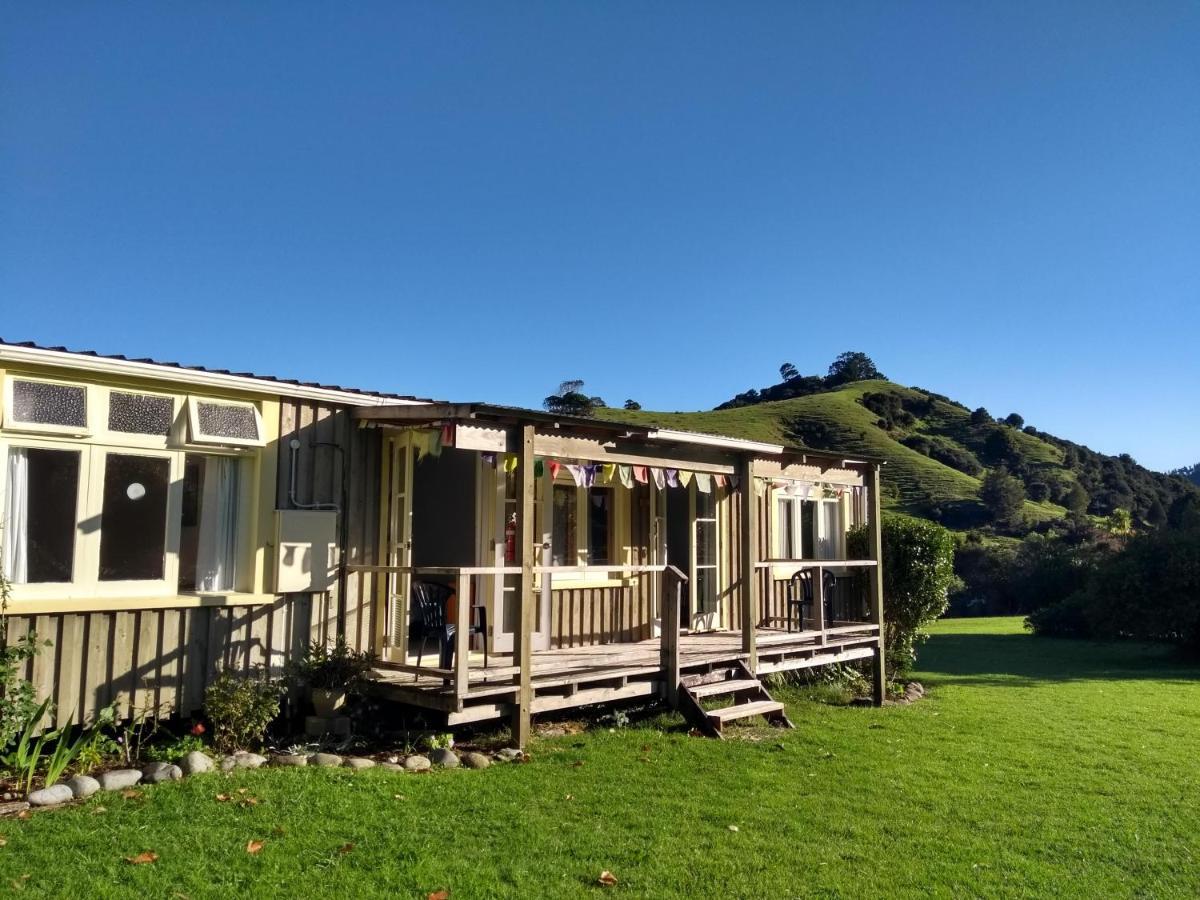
(510, 539)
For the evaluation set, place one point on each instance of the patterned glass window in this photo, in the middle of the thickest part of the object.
(219, 420)
(39, 403)
(140, 413)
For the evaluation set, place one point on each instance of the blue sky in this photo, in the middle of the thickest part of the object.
(475, 201)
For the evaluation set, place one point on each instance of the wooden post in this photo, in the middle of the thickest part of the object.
(749, 563)
(669, 633)
(523, 636)
(818, 592)
(875, 580)
(462, 639)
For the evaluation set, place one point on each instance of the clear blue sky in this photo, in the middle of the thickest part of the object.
(475, 201)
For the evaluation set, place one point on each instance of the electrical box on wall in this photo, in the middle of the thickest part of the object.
(306, 550)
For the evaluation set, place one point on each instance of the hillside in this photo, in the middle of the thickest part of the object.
(938, 452)
(1191, 473)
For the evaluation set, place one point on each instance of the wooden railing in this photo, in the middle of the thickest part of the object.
(458, 677)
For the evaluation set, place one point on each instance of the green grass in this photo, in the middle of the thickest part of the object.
(911, 478)
(1035, 768)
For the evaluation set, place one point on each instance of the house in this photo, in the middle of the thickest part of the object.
(161, 523)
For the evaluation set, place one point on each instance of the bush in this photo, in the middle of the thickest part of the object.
(240, 708)
(918, 573)
(1004, 496)
(1066, 618)
(956, 458)
(17, 699)
(339, 668)
(1039, 491)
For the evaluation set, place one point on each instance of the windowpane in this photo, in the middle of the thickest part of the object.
(831, 530)
(562, 531)
(139, 413)
(133, 518)
(208, 532)
(706, 542)
(39, 403)
(599, 526)
(785, 545)
(39, 532)
(223, 420)
(705, 596)
(808, 529)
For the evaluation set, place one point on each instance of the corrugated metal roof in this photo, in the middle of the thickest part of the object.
(271, 379)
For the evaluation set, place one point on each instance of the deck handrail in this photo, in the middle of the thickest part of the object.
(503, 570)
(817, 563)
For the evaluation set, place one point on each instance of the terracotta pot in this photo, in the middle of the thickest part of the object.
(326, 702)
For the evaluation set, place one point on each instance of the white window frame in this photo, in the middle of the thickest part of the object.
(194, 435)
(173, 438)
(795, 507)
(89, 403)
(619, 549)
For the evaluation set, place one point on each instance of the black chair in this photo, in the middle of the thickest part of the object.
(429, 601)
(800, 596)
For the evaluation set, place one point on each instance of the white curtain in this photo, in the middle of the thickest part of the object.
(16, 517)
(829, 546)
(216, 552)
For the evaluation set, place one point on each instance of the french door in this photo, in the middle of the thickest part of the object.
(397, 509)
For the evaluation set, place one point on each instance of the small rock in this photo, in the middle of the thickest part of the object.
(289, 759)
(8, 796)
(391, 766)
(324, 759)
(475, 760)
(508, 754)
(395, 760)
(158, 772)
(51, 796)
(417, 763)
(359, 762)
(444, 758)
(196, 762)
(242, 760)
(119, 779)
(13, 807)
(915, 686)
(83, 786)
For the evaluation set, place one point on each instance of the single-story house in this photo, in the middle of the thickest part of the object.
(162, 522)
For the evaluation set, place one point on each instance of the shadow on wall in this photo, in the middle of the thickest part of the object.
(1023, 660)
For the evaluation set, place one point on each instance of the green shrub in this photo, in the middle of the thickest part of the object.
(339, 668)
(1066, 618)
(918, 574)
(17, 699)
(240, 708)
(175, 749)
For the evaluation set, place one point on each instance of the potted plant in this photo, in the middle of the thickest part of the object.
(331, 674)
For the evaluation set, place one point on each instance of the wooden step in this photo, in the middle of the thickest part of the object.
(717, 688)
(744, 711)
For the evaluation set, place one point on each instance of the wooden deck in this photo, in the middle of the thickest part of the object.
(602, 673)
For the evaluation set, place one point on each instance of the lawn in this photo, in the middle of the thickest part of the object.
(1035, 767)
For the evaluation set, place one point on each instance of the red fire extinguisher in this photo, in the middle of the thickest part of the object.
(510, 539)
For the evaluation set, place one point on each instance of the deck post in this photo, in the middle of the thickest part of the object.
(669, 634)
(462, 638)
(875, 580)
(818, 592)
(749, 554)
(523, 636)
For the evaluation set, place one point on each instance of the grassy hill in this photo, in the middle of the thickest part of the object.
(936, 454)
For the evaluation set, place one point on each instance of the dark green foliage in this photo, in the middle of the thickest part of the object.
(812, 433)
(955, 457)
(1007, 580)
(570, 400)
(1191, 473)
(981, 417)
(852, 366)
(1156, 514)
(1014, 420)
(1038, 491)
(632, 404)
(1001, 447)
(1077, 499)
(240, 708)
(890, 409)
(1185, 512)
(787, 372)
(1148, 590)
(918, 574)
(1004, 497)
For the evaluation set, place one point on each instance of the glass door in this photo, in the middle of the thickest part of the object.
(398, 547)
(706, 610)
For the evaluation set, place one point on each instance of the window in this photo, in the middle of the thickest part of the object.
(581, 525)
(46, 406)
(224, 422)
(104, 497)
(808, 529)
(140, 413)
(208, 541)
(133, 518)
(42, 492)
(563, 548)
(600, 519)
(705, 590)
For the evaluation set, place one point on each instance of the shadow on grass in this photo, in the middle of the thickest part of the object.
(1022, 660)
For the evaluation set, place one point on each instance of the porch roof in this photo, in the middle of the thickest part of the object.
(496, 415)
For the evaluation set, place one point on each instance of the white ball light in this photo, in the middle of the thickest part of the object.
(135, 491)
